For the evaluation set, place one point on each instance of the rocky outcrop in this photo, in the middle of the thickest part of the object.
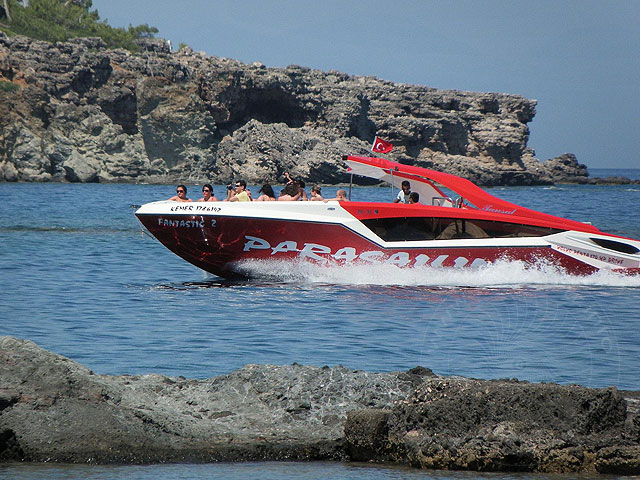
(566, 169)
(55, 410)
(78, 112)
(465, 424)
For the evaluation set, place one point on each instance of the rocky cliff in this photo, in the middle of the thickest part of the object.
(79, 112)
(55, 410)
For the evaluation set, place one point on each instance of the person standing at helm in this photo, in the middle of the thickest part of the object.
(403, 194)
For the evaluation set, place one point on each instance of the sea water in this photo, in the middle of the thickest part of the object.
(79, 277)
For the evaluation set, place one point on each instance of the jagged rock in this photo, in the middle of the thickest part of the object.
(613, 181)
(53, 409)
(466, 424)
(160, 116)
(566, 169)
(157, 45)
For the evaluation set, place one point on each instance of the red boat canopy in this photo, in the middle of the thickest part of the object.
(423, 182)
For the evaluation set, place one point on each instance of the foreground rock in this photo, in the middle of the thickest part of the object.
(76, 111)
(465, 424)
(52, 409)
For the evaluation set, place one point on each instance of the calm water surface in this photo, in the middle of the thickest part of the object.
(80, 278)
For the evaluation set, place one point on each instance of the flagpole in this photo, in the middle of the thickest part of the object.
(383, 147)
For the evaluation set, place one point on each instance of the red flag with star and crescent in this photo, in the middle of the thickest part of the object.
(381, 146)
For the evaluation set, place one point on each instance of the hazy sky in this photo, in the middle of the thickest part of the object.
(579, 59)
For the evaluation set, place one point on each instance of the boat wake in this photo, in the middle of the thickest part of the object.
(501, 274)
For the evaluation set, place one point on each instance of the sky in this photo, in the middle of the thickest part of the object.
(579, 59)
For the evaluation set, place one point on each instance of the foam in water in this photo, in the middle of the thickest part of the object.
(503, 274)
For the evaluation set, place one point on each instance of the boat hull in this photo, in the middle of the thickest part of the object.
(221, 239)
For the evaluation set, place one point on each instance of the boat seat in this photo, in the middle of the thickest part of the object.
(462, 229)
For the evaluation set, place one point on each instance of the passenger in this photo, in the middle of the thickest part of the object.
(403, 194)
(181, 196)
(298, 183)
(315, 193)
(290, 193)
(238, 193)
(414, 197)
(341, 196)
(207, 194)
(267, 194)
(303, 194)
(289, 179)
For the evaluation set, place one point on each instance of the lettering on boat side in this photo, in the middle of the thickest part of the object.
(208, 208)
(195, 208)
(181, 208)
(490, 208)
(168, 222)
(322, 253)
(594, 256)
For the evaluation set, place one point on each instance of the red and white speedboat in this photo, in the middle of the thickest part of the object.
(469, 228)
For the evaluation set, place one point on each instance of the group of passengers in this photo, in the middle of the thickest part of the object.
(293, 191)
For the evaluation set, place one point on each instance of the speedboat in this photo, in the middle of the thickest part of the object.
(456, 225)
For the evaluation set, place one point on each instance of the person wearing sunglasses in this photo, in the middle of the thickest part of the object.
(238, 192)
(181, 196)
(207, 194)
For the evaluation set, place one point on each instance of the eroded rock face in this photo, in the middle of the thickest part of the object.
(566, 169)
(83, 113)
(465, 424)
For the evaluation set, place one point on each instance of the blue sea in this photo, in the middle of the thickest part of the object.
(79, 277)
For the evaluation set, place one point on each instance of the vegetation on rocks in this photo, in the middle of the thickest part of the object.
(8, 86)
(60, 20)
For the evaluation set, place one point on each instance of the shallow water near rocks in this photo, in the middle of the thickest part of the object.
(80, 278)
(252, 470)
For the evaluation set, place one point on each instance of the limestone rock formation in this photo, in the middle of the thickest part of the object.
(76, 111)
(566, 169)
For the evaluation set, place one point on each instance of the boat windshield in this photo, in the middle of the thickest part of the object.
(427, 183)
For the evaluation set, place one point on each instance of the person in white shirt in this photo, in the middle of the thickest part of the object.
(403, 194)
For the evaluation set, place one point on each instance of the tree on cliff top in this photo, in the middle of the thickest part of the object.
(60, 20)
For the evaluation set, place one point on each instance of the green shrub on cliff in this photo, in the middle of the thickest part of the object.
(8, 86)
(60, 20)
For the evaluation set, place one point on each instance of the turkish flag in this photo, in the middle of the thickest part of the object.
(381, 146)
